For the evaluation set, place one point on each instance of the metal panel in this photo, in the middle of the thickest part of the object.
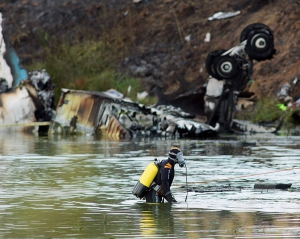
(84, 110)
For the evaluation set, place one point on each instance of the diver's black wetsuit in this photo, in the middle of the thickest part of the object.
(164, 178)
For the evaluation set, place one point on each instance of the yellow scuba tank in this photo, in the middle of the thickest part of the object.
(145, 180)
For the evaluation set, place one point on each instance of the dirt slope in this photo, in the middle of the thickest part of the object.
(155, 34)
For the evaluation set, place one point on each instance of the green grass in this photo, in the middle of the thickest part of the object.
(267, 110)
(87, 65)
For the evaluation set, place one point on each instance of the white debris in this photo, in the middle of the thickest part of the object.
(142, 95)
(128, 90)
(284, 91)
(295, 81)
(39, 78)
(223, 15)
(188, 38)
(115, 94)
(214, 87)
(5, 72)
(207, 37)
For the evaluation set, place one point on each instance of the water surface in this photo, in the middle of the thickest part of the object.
(80, 187)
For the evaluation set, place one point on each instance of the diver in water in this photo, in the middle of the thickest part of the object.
(162, 183)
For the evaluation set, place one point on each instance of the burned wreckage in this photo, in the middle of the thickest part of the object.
(26, 99)
(109, 114)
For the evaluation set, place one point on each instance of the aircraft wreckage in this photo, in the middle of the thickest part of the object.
(109, 114)
(26, 99)
(101, 112)
(27, 104)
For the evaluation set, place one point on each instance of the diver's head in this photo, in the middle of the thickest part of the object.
(176, 155)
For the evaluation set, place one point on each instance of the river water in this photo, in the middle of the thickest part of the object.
(81, 187)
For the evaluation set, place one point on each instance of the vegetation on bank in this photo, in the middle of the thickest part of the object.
(270, 111)
(87, 65)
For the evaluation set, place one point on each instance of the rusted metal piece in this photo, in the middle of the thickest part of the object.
(116, 130)
(103, 114)
(87, 112)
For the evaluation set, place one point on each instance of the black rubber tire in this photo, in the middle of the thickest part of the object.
(226, 67)
(255, 27)
(260, 46)
(209, 62)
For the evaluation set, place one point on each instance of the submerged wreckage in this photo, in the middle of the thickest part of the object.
(109, 114)
(27, 102)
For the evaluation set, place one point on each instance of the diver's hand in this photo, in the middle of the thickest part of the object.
(169, 197)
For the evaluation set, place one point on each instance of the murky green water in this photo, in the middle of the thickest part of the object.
(79, 187)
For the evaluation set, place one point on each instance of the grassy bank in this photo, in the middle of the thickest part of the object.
(88, 65)
(270, 111)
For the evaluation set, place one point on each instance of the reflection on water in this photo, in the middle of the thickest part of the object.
(80, 187)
